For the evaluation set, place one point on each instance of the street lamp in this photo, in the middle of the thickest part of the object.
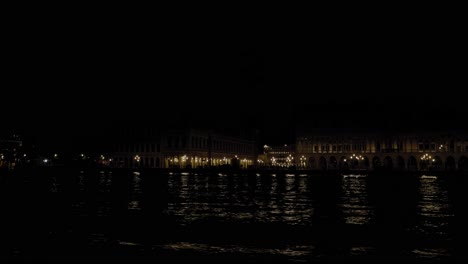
(184, 160)
(289, 160)
(356, 158)
(260, 162)
(137, 158)
(426, 159)
(273, 161)
(303, 159)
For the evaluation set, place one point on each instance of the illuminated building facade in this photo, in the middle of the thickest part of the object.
(10, 151)
(405, 151)
(278, 156)
(182, 148)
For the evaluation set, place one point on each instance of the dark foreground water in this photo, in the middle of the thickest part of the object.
(59, 214)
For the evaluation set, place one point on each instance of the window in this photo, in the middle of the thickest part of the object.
(334, 148)
(421, 147)
(433, 146)
(153, 147)
(339, 148)
(458, 148)
(315, 148)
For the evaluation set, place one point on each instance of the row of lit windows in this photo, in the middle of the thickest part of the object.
(202, 143)
(339, 148)
(337, 142)
(131, 161)
(386, 147)
(232, 147)
(199, 142)
(458, 149)
(177, 142)
(435, 147)
(138, 148)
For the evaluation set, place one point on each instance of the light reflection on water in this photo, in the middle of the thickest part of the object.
(435, 214)
(354, 204)
(134, 201)
(289, 251)
(287, 199)
(240, 198)
(298, 214)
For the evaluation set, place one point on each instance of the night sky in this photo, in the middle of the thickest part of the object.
(85, 80)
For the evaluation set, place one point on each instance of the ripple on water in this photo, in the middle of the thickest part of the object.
(431, 253)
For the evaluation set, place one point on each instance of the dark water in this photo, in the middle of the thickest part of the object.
(64, 214)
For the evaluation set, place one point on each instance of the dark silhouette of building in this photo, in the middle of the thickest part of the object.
(181, 148)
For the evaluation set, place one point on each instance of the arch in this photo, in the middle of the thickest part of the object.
(343, 162)
(437, 162)
(354, 163)
(388, 162)
(412, 163)
(400, 163)
(333, 163)
(376, 162)
(323, 163)
(463, 163)
(366, 162)
(312, 163)
(450, 163)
